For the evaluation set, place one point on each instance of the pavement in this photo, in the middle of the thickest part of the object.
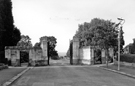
(124, 70)
(8, 76)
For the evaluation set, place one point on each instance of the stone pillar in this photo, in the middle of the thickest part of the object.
(44, 46)
(8, 54)
(32, 57)
(18, 57)
(75, 58)
(103, 56)
(92, 55)
(111, 54)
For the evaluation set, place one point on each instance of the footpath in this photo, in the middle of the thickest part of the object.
(8, 76)
(124, 70)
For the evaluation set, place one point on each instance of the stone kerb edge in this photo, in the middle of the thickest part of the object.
(15, 78)
(123, 73)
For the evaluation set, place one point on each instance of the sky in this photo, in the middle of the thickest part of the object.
(60, 18)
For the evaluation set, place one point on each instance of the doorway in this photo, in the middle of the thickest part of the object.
(24, 58)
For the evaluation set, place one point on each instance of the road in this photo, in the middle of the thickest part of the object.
(72, 76)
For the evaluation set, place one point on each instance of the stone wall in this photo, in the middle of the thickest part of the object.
(13, 55)
(87, 55)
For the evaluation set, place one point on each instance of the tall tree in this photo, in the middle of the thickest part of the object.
(9, 34)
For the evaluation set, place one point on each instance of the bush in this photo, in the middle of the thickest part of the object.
(2, 66)
(55, 57)
(127, 58)
(40, 63)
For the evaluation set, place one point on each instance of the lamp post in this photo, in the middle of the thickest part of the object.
(122, 21)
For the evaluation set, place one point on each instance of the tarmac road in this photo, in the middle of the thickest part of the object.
(72, 76)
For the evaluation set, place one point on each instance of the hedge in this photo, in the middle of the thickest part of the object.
(2, 66)
(127, 58)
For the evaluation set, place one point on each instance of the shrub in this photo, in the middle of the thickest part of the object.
(2, 66)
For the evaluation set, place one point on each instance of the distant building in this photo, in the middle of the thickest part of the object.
(127, 49)
(130, 48)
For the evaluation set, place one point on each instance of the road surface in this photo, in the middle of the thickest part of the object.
(72, 76)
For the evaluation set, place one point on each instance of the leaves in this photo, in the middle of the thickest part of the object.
(25, 41)
(98, 32)
(51, 45)
(9, 34)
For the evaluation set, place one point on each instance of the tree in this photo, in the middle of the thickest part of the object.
(99, 33)
(16, 36)
(9, 34)
(37, 45)
(51, 46)
(25, 41)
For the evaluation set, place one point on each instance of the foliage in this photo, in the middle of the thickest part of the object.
(69, 52)
(16, 36)
(51, 46)
(99, 32)
(37, 45)
(9, 34)
(25, 41)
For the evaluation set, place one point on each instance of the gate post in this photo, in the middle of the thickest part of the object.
(75, 50)
(71, 52)
(44, 46)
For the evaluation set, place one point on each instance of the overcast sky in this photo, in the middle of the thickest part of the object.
(60, 18)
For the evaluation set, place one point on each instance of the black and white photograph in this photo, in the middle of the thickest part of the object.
(67, 42)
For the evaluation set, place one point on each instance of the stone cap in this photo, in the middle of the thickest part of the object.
(44, 38)
(76, 39)
(21, 48)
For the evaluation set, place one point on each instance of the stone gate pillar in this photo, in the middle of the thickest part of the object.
(76, 56)
(103, 56)
(92, 55)
(44, 46)
(32, 57)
